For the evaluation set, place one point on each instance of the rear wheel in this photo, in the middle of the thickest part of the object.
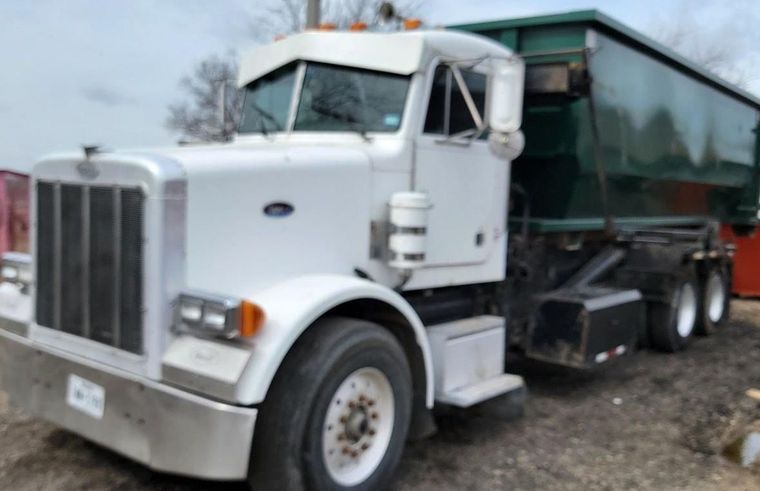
(338, 412)
(715, 299)
(672, 322)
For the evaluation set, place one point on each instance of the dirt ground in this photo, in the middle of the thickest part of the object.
(650, 421)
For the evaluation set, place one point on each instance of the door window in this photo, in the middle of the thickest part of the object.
(448, 113)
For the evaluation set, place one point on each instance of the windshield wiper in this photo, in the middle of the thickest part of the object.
(355, 124)
(265, 115)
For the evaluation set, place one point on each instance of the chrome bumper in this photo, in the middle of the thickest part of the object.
(165, 428)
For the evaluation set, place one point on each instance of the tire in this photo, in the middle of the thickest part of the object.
(715, 300)
(317, 429)
(673, 321)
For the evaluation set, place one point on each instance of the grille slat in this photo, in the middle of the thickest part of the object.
(131, 267)
(57, 256)
(85, 244)
(89, 257)
(71, 261)
(116, 280)
(101, 264)
(44, 262)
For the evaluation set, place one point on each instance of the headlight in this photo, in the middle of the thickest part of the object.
(191, 310)
(214, 315)
(16, 268)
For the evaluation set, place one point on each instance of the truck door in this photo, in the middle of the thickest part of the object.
(466, 183)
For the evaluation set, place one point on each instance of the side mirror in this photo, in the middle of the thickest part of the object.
(505, 95)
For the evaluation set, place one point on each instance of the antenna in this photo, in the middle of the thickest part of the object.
(312, 14)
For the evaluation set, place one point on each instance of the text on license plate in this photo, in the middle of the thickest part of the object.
(86, 396)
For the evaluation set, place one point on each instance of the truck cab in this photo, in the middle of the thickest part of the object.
(275, 308)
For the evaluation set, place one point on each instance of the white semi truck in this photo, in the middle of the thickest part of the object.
(237, 311)
(290, 307)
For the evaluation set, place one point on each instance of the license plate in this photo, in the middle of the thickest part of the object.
(86, 396)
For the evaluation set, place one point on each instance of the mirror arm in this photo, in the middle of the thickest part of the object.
(468, 100)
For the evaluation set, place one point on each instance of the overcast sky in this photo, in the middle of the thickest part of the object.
(94, 71)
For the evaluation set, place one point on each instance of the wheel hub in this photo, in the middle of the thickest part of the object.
(358, 426)
(716, 297)
(687, 310)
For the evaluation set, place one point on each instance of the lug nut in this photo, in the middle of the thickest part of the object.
(362, 398)
(375, 415)
(341, 437)
(351, 405)
(354, 454)
(371, 432)
(345, 451)
(371, 402)
(343, 419)
(365, 446)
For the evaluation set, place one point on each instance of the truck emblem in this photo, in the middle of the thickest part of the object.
(278, 209)
(88, 169)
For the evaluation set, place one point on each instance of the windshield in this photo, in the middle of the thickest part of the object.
(332, 98)
(267, 102)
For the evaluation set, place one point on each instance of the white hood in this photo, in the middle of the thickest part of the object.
(317, 220)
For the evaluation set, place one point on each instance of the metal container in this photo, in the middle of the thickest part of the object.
(14, 212)
(621, 131)
(583, 327)
(746, 271)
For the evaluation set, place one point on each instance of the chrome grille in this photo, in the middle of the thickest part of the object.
(89, 262)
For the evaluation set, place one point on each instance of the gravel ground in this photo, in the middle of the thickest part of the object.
(650, 421)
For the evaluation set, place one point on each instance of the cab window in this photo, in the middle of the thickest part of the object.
(448, 113)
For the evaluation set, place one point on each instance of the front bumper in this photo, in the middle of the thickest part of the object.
(165, 428)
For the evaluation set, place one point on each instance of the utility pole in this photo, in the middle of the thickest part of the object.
(312, 14)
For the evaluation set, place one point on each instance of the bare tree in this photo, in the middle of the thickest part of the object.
(714, 45)
(281, 17)
(203, 116)
(212, 111)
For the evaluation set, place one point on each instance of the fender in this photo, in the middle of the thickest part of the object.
(293, 305)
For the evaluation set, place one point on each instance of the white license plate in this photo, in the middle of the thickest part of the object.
(86, 396)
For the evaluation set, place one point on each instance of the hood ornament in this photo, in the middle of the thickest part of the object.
(87, 167)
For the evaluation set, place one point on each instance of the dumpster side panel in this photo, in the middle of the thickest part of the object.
(671, 144)
(678, 147)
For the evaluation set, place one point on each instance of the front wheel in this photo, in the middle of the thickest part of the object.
(338, 412)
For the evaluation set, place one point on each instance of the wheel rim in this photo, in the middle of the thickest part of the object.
(716, 297)
(358, 426)
(687, 310)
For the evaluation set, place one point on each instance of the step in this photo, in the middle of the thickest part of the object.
(482, 391)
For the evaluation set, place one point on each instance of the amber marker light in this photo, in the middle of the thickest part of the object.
(327, 26)
(252, 319)
(412, 24)
(358, 26)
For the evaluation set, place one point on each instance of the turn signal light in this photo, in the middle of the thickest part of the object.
(358, 26)
(252, 319)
